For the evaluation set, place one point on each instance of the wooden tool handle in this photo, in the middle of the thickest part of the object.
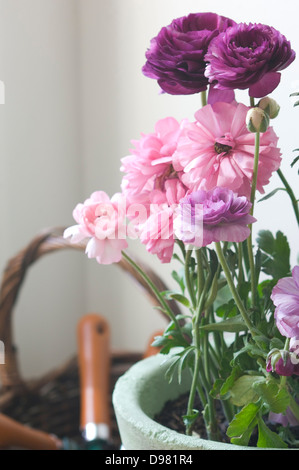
(94, 367)
(14, 434)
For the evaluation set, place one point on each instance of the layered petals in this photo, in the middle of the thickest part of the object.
(101, 221)
(218, 150)
(248, 56)
(176, 56)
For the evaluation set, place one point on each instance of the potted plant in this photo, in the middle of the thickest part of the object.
(188, 194)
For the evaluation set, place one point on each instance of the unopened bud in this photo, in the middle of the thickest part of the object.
(257, 120)
(280, 361)
(270, 106)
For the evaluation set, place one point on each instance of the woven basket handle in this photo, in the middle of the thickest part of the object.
(14, 274)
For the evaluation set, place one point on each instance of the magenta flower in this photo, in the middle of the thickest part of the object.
(218, 215)
(176, 56)
(285, 296)
(100, 220)
(248, 56)
(218, 150)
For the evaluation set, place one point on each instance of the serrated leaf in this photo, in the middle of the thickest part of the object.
(169, 374)
(243, 440)
(277, 249)
(277, 399)
(227, 385)
(244, 420)
(228, 309)
(242, 392)
(269, 439)
(183, 361)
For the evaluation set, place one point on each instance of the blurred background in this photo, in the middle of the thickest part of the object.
(75, 97)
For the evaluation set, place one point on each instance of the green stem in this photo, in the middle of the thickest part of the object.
(290, 193)
(255, 169)
(196, 339)
(154, 289)
(240, 264)
(200, 273)
(193, 388)
(188, 279)
(233, 289)
(203, 98)
(252, 200)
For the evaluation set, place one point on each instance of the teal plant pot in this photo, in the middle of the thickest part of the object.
(139, 395)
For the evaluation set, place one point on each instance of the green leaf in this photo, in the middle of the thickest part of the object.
(244, 420)
(295, 159)
(242, 392)
(189, 420)
(227, 385)
(229, 309)
(230, 325)
(184, 357)
(169, 374)
(271, 194)
(276, 251)
(179, 279)
(243, 440)
(181, 299)
(269, 439)
(276, 398)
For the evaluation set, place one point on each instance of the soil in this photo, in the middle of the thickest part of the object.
(171, 417)
(172, 412)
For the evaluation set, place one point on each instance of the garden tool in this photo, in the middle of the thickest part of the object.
(16, 435)
(94, 371)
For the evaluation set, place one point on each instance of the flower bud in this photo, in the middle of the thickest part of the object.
(257, 120)
(280, 361)
(270, 106)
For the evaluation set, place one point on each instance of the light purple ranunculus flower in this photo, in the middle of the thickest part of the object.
(176, 55)
(217, 215)
(285, 296)
(248, 56)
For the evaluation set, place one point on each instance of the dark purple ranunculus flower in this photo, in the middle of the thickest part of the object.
(248, 56)
(176, 55)
(217, 215)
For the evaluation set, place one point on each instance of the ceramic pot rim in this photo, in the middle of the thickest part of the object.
(138, 395)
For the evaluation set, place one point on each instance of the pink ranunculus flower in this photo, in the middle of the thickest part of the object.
(100, 219)
(150, 162)
(285, 296)
(218, 150)
(157, 231)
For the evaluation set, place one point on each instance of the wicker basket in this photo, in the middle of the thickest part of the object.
(51, 403)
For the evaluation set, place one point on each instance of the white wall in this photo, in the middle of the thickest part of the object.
(75, 97)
